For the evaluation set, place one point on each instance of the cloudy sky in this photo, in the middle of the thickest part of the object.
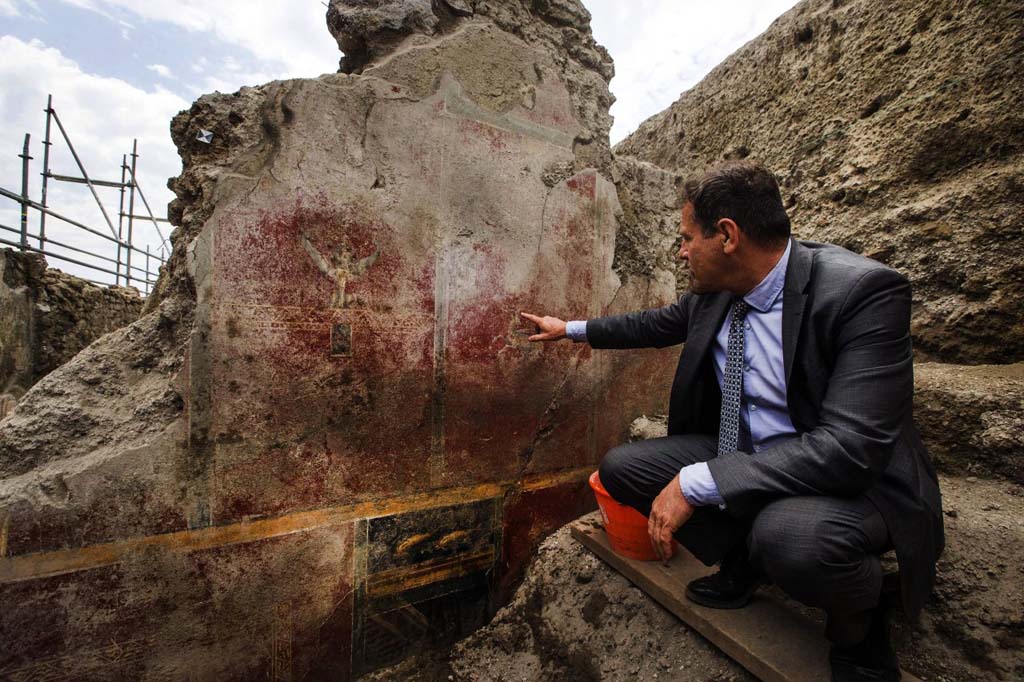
(120, 69)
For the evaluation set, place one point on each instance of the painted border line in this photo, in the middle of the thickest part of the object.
(57, 562)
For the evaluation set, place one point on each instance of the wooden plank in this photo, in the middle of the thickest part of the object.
(771, 640)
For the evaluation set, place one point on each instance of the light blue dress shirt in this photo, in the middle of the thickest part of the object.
(764, 413)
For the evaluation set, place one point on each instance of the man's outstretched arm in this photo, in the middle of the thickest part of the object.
(654, 328)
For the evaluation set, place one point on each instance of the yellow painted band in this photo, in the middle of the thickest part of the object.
(58, 562)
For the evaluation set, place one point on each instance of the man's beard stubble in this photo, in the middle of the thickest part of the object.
(694, 286)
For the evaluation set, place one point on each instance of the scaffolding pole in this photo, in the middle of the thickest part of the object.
(82, 181)
(123, 236)
(14, 196)
(85, 176)
(120, 217)
(131, 212)
(25, 158)
(46, 171)
(142, 196)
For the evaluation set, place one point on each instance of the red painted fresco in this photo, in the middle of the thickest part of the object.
(530, 516)
(304, 425)
(283, 603)
(584, 185)
(357, 352)
(513, 407)
(496, 138)
(278, 257)
(297, 415)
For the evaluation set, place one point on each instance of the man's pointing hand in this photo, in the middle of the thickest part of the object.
(550, 328)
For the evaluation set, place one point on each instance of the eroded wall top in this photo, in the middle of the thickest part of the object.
(369, 32)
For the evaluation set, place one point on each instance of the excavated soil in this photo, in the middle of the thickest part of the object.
(575, 618)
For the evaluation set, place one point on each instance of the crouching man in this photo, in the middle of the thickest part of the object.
(792, 455)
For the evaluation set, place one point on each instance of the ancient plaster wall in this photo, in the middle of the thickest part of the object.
(349, 448)
(896, 129)
(47, 316)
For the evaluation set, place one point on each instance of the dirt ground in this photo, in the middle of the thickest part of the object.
(575, 618)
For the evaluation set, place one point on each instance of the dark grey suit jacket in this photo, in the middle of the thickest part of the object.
(850, 386)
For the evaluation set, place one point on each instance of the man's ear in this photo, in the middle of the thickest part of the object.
(730, 232)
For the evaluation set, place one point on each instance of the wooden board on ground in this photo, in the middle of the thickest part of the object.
(769, 639)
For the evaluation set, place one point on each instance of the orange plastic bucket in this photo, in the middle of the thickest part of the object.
(625, 526)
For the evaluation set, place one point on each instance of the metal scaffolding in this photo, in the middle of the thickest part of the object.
(124, 272)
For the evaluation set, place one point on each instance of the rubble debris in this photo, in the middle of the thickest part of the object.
(972, 417)
(560, 628)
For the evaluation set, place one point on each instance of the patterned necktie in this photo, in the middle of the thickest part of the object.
(732, 382)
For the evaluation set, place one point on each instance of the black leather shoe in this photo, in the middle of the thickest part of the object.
(871, 660)
(730, 588)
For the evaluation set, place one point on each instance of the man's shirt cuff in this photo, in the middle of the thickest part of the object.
(698, 486)
(576, 330)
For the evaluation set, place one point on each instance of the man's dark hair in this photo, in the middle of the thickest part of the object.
(744, 192)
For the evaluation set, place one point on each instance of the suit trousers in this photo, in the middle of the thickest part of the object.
(822, 551)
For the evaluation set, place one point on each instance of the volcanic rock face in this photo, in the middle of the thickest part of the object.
(897, 130)
(329, 443)
(972, 418)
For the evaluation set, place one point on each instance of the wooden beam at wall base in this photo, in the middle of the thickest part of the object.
(772, 641)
